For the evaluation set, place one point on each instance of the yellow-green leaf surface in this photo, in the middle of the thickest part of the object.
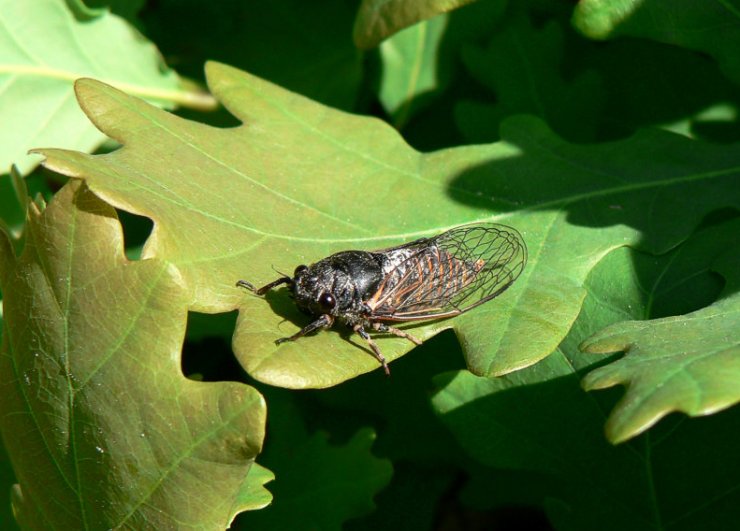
(688, 363)
(102, 428)
(44, 46)
(299, 181)
(378, 19)
(410, 67)
(253, 495)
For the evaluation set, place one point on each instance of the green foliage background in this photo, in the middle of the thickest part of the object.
(138, 393)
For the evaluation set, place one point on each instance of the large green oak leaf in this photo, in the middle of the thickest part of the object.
(101, 426)
(299, 181)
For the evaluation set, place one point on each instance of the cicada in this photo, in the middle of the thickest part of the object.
(429, 278)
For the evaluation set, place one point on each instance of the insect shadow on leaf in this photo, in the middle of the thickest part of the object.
(426, 279)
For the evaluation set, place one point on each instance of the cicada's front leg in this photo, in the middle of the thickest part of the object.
(325, 321)
(263, 289)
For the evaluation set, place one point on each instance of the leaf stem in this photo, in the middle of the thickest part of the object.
(195, 99)
(651, 483)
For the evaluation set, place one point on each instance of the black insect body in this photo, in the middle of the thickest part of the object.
(430, 278)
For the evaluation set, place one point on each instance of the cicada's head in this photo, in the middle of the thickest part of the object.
(314, 289)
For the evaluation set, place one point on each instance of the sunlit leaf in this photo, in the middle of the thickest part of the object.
(410, 69)
(44, 46)
(253, 495)
(102, 428)
(299, 181)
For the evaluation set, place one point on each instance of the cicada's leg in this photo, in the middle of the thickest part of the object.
(382, 327)
(325, 321)
(376, 351)
(263, 289)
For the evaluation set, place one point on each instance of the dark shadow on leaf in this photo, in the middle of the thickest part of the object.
(585, 90)
(662, 185)
(553, 428)
(399, 403)
(206, 353)
(282, 304)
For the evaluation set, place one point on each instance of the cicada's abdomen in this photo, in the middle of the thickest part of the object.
(426, 282)
(448, 274)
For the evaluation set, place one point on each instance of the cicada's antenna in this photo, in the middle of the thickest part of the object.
(278, 271)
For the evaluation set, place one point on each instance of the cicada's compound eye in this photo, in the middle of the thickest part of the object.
(327, 302)
(299, 270)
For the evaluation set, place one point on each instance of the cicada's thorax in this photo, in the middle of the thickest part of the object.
(338, 284)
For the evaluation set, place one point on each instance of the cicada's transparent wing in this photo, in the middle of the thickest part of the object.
(449, 274)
